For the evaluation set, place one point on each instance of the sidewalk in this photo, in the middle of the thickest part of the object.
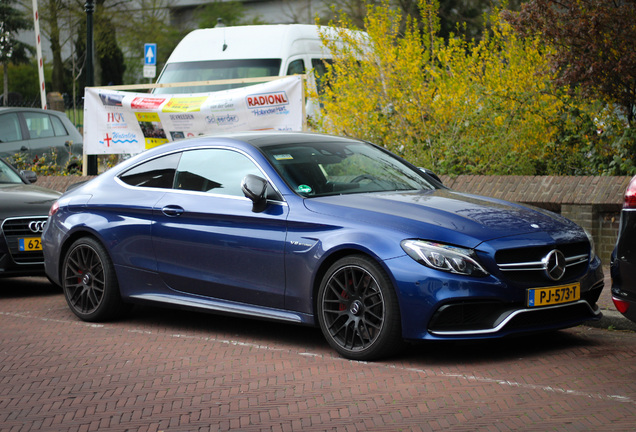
(611, 317)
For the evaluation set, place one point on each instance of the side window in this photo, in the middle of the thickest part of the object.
(296, 67)
(10, 128)
(320, 69)
(218, 171)
(157, 173)
(58, 127)
(39, 125)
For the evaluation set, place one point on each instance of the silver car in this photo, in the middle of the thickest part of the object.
(34, 132)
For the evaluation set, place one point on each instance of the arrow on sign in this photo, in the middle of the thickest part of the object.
(149, 56)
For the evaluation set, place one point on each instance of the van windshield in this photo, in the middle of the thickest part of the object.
(215, 70)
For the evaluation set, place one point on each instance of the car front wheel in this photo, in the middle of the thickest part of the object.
(358, 310)
(89, 282)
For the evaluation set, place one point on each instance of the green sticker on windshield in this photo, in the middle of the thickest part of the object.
(304, 189)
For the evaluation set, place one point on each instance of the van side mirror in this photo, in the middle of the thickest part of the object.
(255, 188)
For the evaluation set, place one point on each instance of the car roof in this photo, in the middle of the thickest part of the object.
(261, 139)
(25, 109)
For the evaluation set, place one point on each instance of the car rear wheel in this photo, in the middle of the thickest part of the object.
(358, 310)
(89, 282)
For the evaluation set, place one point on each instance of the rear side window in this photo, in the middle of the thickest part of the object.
(156, 173)
(10, 128)
(216, 171)
(39, 125)
(58, 127)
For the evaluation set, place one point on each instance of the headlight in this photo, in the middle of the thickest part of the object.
(444, 257)
(591, 239)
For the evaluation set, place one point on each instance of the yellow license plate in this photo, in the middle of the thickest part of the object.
(28, 244)
(554, 295)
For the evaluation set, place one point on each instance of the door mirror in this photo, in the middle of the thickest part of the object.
(29, 176)
(431, 173)
(255, 188)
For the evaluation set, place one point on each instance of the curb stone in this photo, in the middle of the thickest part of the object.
(613, 320)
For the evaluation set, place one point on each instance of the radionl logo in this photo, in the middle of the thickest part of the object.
(267, 100)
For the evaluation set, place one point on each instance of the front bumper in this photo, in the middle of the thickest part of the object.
(442, 306)
(14, 260)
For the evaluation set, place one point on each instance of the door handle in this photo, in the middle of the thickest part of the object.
(172, 211)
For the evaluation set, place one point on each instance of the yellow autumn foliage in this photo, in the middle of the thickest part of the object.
(453, 106)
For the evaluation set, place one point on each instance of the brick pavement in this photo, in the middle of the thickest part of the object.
(162, 370)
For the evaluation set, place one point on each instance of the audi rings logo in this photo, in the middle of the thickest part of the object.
(554, 265)
(37, 226)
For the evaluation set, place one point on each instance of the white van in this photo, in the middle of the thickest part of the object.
(243, 52)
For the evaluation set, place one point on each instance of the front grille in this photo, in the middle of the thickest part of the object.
(15, 229)
(525, 267)
(468, 316)
(474, 318)
(553, 317)
(594, 293)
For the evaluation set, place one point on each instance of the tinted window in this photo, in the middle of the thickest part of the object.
(296, 67)
(215, 70)
(158, 173)
(216, 171)
(320, 69)
(10, 128)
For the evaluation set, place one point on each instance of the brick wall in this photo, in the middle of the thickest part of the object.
(592, 202)
(605, 233)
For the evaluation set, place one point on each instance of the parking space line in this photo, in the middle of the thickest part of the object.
(426, 372)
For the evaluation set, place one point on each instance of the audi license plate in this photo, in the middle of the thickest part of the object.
(27, 244)
(554, 295)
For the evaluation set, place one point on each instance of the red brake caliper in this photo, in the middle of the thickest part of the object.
(344, 295)
(343, 306)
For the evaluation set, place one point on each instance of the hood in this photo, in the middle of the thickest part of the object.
(25, 200)
(443, 214)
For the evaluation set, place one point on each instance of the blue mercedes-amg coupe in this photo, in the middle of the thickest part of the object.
(318, 230)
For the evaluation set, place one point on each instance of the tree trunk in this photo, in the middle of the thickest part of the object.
(56, 47)
(5, 79)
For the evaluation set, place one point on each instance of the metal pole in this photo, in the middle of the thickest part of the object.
(89, 7)
(38, 49)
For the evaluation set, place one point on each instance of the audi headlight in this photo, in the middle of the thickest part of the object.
(444, 257)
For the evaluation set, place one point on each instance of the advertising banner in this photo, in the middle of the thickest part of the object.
(118, 122)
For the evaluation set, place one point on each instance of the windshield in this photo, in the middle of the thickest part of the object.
(7, 175)
(334, 168)
(215, 70)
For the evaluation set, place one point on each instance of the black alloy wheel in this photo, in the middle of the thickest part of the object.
(89, 282)
(358, 310)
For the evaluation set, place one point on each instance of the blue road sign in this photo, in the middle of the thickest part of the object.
(150, 54)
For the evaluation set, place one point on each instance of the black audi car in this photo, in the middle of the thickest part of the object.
(623, 262)
(24, 209)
